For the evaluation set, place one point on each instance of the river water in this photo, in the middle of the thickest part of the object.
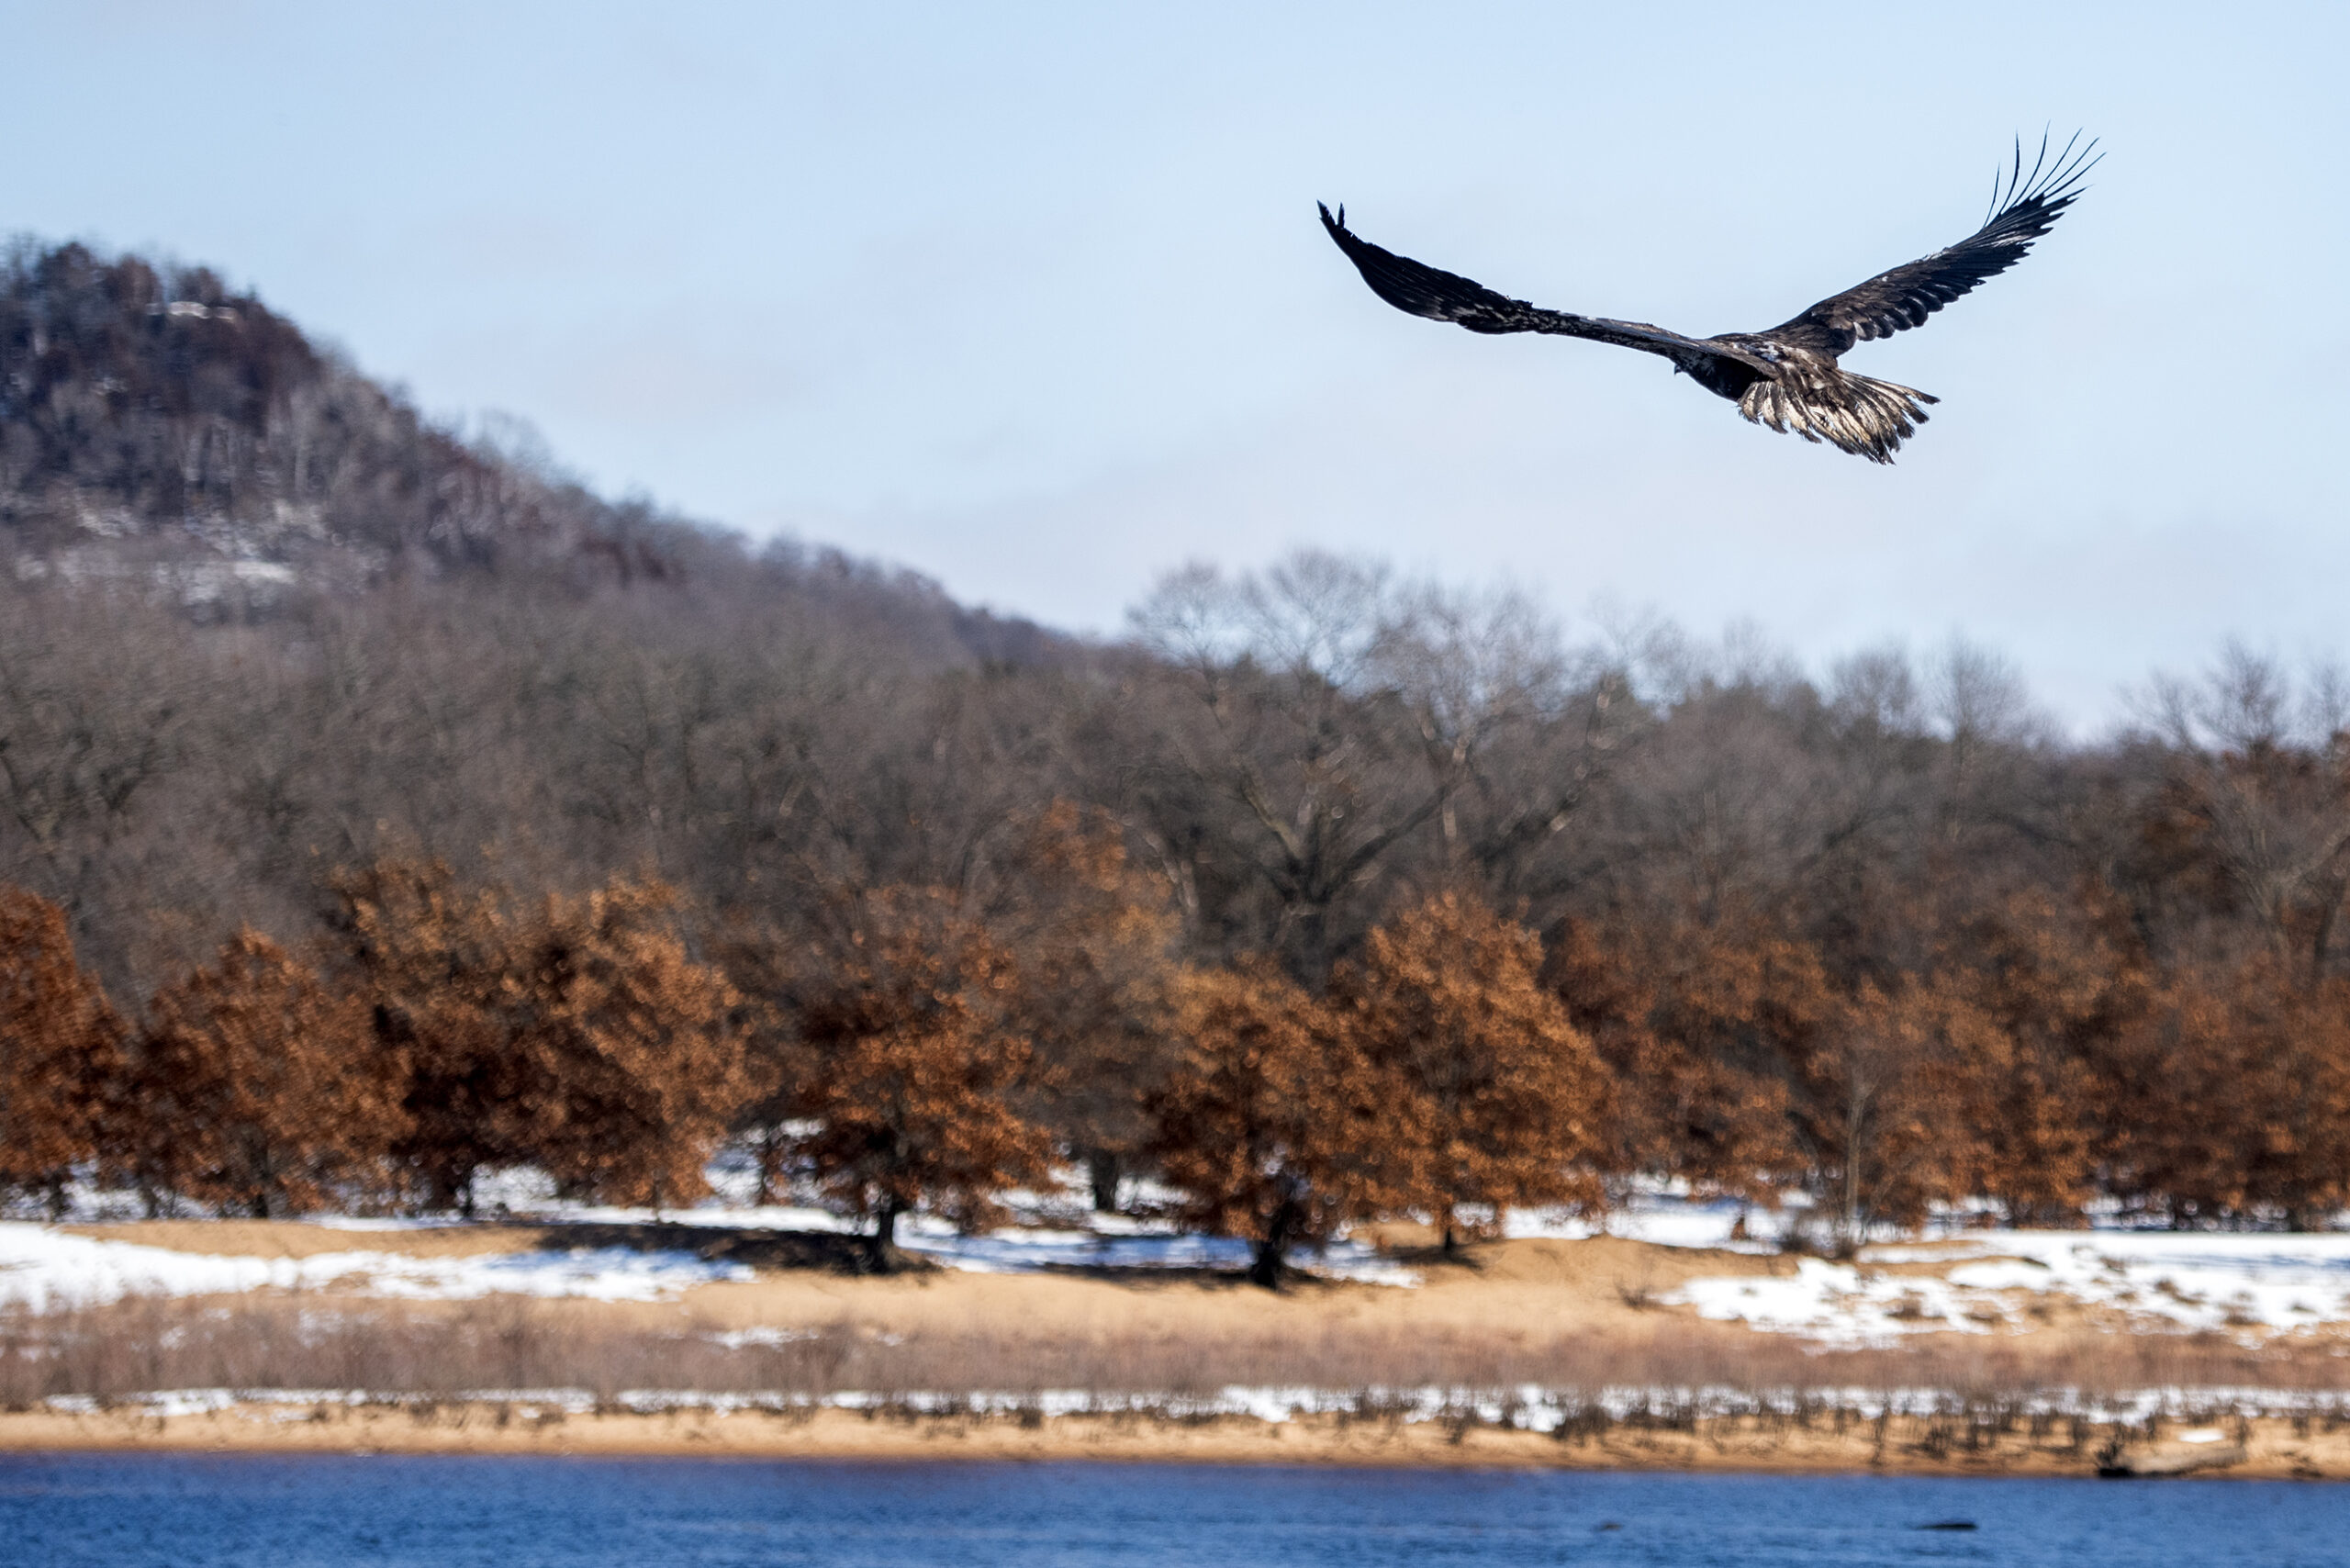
(207, 1512)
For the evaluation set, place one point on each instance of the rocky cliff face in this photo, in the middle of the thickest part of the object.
(150, 421)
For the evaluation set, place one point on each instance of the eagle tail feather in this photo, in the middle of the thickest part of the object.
(1858, 414)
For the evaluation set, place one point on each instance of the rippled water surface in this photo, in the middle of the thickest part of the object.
(519, 1513)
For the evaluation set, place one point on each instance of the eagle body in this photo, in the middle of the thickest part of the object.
(1788, 376)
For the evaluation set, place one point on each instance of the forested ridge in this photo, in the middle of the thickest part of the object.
(378, 807)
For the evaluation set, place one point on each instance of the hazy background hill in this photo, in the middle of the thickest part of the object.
(155, 426)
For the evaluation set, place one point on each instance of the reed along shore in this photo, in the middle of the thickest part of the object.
(1958, 1442)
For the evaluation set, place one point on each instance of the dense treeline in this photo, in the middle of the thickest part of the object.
(1323, 893)
(1310, 940)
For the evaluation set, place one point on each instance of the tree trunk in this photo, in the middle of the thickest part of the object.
(1103, 1170)
(1858, 1099)
(881, 1246)
(1273, 1248)
(768, 1158)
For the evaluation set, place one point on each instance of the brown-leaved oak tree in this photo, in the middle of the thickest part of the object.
(61, 1050)
(261, 1091)
(1504, 1099)
(915, 1076)
(1275, 1125)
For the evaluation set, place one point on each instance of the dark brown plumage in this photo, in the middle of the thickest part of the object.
(1785, 377)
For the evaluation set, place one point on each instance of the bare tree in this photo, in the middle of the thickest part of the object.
(2258, 767)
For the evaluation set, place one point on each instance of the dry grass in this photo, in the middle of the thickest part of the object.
(1579, 1322)
(518, 1374)
(447, 1350)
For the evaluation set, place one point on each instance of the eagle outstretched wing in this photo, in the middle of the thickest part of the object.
(2024, 205)
(1786, 377)
(1423, 290)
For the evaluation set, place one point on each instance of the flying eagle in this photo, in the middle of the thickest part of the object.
(1785, 377)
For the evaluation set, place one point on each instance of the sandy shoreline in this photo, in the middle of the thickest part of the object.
(2266, 1448)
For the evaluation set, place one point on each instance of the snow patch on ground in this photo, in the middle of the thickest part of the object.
(1110, 1246)
(1983, 1281)
(41, 1269)
(1660, 1217)
(2244, 1282)
(2178, 1281)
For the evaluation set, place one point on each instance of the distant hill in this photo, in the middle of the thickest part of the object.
(154, 425)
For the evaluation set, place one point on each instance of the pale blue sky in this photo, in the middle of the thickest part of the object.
(1033, 298)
